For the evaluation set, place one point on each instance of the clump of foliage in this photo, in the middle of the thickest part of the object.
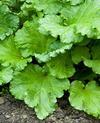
(48, 47)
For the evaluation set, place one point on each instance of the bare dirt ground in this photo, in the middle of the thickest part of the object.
(14, 111)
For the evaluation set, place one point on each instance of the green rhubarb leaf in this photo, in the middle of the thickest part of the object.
(78, 53)
(8, 22)
(73, 22)
(11, 56)
(94, 62)
(55, 48)
(38, 89)
(86, 98)
(61, 66)
(53, 24)
(30, 41)
(47, 6)
(6, 75)
(83, 19)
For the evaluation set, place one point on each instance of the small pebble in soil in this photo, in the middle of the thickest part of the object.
(7, 116)
(1, 100)
(24, 116)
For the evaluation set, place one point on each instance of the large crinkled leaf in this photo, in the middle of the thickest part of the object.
(86, 98)
(53, 24)
(94, 62)
(11, 56)
(51, 6)
(6, 75)
(38, 89)
(83, 18)
(31, 41)
(61, 66)
(8, 22)
(73, 22)
(78, 53)
(47, 6)
(56, 48)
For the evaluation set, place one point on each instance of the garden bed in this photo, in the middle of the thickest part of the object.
(12, 111)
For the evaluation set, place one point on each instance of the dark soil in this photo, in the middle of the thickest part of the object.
(12, 111)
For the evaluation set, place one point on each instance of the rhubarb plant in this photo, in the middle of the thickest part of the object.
(48, 47)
